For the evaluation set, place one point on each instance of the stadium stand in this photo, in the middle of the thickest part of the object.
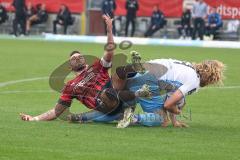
(142, 22)
(37, 29)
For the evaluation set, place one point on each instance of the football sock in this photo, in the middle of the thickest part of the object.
(99, 117)
(149, 119)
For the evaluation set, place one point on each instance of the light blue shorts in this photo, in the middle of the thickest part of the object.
(148, 105)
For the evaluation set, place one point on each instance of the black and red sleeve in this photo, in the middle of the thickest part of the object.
(66, 96)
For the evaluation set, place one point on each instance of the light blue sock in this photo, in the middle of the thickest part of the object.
(97, 116)
(149, 119)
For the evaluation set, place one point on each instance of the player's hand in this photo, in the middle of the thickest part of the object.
(108, 20)
(26, 117)
(165, 124)
(179, 124)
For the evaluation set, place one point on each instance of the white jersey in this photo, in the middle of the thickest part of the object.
(179, 72)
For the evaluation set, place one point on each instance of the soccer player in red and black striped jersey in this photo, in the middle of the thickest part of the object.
(91, 86)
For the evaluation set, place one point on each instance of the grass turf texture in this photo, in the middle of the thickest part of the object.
(214, 132)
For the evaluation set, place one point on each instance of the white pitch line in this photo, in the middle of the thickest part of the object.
(223, 87)
(31, 91)
(51, 91)
(3, 84)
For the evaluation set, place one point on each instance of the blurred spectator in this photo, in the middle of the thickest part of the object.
(64, 19)
(3, 14)
(199, 13)
(157, 22)
(41, 16)
(30, 11)
(214, 23)
(108, 7)
(132, 8)
(185, 29)
(20, 17)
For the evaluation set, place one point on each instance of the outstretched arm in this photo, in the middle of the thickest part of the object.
(170, 104)
(109, 50)
(47, 116)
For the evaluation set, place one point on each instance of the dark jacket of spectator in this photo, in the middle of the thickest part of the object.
(158, 18)
(3, 14)
(30, 11)
(185, 24)
(157, 22)
(20, 16)
(65, 16)
(41, 14)
(132, 8)
(216, 19)
(108, 7)
(19, 6)
(186, 18)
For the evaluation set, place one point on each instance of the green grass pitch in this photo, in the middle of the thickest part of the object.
(214, 131)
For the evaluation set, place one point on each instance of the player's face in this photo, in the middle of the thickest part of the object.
(155, 8)
(29, 6)
(214, 10)
(63, 7)
(185, 9)
(43, 7)
(77, 62)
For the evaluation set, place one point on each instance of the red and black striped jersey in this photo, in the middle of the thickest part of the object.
(87, 85)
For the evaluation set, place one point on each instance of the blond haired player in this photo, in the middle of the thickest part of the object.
(184, 78)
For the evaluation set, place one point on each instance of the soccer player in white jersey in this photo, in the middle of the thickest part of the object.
(186, 77)
(190, 77)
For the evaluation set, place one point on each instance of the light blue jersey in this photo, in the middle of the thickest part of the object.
(148, 105)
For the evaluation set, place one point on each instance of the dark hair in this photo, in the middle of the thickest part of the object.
(38, 6)
(66, 7)
(74, 52)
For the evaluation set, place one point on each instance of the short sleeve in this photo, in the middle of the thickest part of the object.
(181, 103)
(105, 64)
(188, 88)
